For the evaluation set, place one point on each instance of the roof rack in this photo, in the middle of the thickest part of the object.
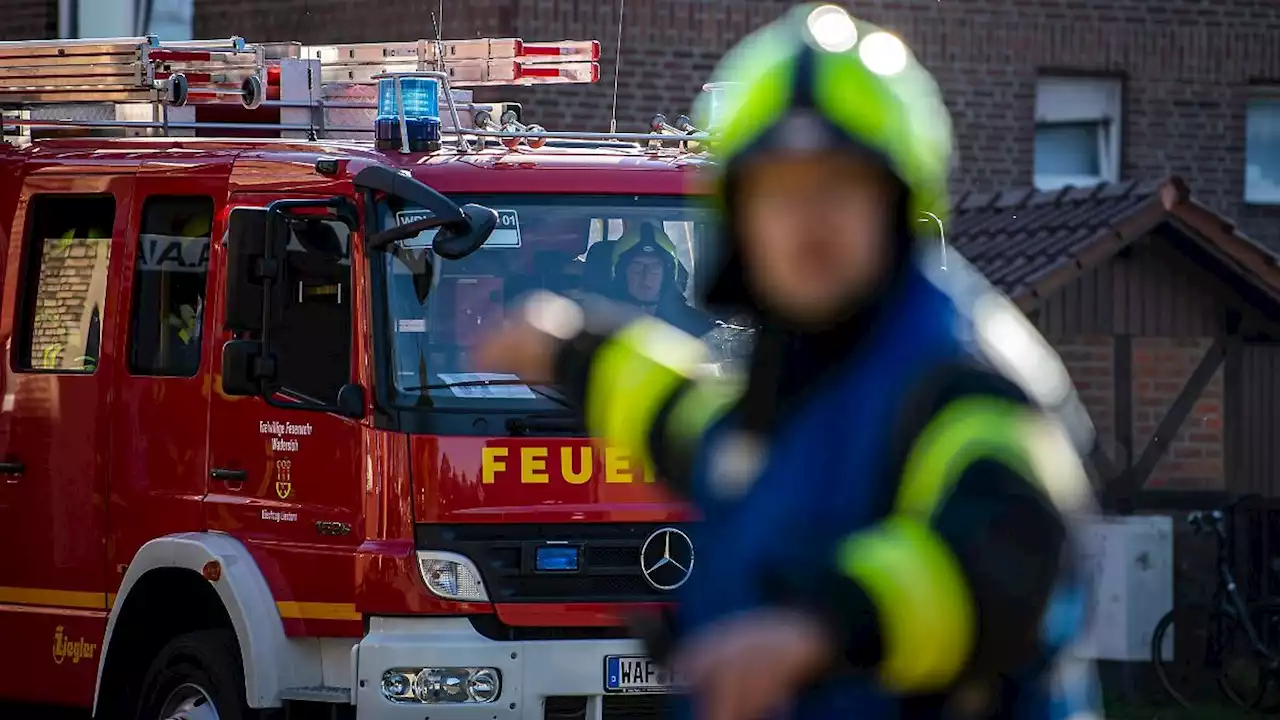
(140, 86)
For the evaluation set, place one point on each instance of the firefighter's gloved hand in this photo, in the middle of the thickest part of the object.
(527, 344)
(657, 631)
(750, 666)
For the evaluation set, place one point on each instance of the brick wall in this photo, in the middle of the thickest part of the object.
(1187, 65)
(28, 19)
(1160, 369)
(1089, 360)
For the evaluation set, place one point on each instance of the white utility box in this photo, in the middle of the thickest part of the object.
(1132, 560)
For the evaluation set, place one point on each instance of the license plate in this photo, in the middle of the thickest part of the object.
(637, 674)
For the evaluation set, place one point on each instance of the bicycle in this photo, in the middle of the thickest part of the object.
(1248, 669)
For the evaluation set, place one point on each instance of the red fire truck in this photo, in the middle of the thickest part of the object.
(245, 465)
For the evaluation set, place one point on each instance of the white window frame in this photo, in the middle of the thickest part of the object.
(171, 20)
(1270, 95)
(1082, 100)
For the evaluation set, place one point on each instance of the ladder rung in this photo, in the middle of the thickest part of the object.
(70, 61)
(231, 43)
(78, 53)
(363, 53)
(57, 83)
(116, 70)
(10, 98)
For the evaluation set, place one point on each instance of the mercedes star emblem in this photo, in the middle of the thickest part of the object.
(666, 559)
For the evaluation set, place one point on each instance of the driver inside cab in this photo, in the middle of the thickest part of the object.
(646, 274)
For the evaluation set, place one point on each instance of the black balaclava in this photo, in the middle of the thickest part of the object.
(649, 246)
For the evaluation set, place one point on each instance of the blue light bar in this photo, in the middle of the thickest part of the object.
(421, 98)
(556, 558)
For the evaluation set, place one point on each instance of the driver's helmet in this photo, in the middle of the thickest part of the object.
(199, 225)
(644, 239)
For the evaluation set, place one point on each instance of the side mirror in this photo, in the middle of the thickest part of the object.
(351, 401)
(453, 240)
(456, 241)
(249, 264)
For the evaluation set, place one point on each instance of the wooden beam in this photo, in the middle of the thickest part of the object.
(1132, 481)
(1114, 496)
(1233, 408)
(1122, 389)
(1180, 500)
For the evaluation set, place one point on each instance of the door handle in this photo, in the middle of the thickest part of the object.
(228, 475)
(12, 468)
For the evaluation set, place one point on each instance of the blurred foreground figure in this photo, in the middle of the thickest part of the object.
(889, 497)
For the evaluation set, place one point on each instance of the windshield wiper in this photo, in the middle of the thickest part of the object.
(571, 425)
(554, 396)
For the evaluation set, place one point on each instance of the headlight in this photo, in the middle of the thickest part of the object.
(451, 576)
(442, 685)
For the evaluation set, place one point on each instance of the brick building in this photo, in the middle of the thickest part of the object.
(1121, 89)
(1049, 91)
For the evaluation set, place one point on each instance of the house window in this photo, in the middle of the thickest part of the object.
(1077, 132)
(169, 20)
(1262, 151)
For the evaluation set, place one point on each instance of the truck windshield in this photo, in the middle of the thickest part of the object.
(646, 251)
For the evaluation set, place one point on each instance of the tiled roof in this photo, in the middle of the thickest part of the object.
(1029, 243)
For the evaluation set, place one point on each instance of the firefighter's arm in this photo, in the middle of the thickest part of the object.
(957, 578)
(636, 379)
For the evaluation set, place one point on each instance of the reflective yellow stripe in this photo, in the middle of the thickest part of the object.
(704, 403)
(973, 429)
(926, 613)
(317, 611)
(918, 587)
(633, 374)
(53, 598)
(964, 432)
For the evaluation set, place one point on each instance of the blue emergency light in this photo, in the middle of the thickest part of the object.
(421, 97)
(556, 558)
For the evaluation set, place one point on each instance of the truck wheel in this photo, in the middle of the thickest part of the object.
(196, 676)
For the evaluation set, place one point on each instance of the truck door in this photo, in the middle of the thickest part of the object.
(160, 423)
(289, 483)
(63, 306)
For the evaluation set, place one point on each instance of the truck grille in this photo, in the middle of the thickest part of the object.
(616, 707)
(609, 571)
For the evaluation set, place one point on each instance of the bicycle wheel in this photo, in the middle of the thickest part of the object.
(1176, 674)
(1249, 677)
(1195, 672)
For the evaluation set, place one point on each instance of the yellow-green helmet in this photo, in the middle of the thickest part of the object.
(861, 85)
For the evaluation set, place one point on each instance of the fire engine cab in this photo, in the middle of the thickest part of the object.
(246, 468)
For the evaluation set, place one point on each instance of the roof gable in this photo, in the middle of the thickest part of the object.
(1031, 243)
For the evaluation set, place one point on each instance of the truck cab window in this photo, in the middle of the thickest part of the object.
(65, 283)
(313, 342)
(169, 291)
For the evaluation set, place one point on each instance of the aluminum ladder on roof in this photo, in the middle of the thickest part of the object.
(140, 85)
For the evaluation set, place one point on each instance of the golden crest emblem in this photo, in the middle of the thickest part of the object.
(284, 482)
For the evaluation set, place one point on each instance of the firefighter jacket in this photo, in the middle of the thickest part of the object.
(920, 500)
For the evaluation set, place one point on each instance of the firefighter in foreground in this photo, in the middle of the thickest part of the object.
(887, 504)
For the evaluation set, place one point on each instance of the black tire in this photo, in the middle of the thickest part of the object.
(1206, 648)
(209, 662)
(1249, 678)
(1170, 677)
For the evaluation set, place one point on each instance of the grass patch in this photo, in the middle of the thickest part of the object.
(1138, 711)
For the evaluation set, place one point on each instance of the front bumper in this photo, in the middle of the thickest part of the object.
(540, 678)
